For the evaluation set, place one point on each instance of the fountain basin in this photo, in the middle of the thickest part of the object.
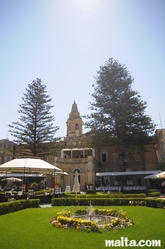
(94, 221)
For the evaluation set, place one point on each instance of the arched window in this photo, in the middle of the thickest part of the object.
(76, 127)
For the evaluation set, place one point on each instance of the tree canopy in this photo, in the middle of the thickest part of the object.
(118, 112)
(35, 129)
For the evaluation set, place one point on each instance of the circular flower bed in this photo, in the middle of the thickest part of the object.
(113, 219)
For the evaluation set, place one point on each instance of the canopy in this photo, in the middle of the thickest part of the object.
(20, 175)
(150, 176)
(12, 179)
(160, 175)
(156, 176)
(29, 165)
(127, 173)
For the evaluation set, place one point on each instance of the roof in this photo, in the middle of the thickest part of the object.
(74, 112)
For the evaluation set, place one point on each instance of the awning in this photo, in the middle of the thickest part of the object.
(151, 176)
(21, 175)
(75, 149)
(156, 176)
(126, 173)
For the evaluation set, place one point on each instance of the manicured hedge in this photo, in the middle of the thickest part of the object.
(149, 202)
(154, 194)
(111, 195)
(13, 206)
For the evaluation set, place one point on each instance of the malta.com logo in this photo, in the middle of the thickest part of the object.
(125, 242)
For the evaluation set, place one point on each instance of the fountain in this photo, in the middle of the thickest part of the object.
(90, 211)
(93, 219)
(91, 215)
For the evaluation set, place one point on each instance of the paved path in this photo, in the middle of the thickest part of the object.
(45, 205)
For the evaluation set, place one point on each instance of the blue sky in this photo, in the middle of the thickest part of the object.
(64, 42)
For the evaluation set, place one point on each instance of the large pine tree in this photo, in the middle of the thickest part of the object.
(35, 130)
(118, 113)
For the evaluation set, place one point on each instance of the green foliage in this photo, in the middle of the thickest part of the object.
(103, 195)
(150, 202)
(154, 194)
(42, 192)
(117, 112)
(59, 184)
(34, 185)
(118, 219)
(13, 206)
(2, 193)
(35, 130)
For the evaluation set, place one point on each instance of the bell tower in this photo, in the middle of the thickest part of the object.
(74, 122)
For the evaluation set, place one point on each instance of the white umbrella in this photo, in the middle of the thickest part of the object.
(12, 179)
(150, 176)
(76, 185)
(160, 175)
(28, 165)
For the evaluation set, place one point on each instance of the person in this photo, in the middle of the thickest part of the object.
(163, 185)
(85, 187)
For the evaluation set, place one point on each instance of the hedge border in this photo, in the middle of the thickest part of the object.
(149, 202)
(111, 195)
(13, 206)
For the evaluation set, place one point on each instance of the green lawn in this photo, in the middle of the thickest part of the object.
(30, 229)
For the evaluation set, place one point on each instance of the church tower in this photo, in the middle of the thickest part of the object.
(74, 122)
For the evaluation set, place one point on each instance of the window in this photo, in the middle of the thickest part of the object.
(104, 156)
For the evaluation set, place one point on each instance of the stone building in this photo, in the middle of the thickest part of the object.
(6, 150)
(99, 168)
(75, 155)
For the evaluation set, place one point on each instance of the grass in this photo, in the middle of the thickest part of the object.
(31, 229)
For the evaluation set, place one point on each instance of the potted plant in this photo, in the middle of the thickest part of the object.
(34, 185)
(59, 184)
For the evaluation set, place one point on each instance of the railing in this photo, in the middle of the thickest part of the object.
(119, 188)
(72, 160)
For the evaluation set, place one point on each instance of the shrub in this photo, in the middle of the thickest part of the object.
(13, 206)
(154, 194)
(103, 195)
(150, 202)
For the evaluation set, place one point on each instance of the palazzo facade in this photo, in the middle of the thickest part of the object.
(98, 168)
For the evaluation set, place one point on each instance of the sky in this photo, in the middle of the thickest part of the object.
(64, 43)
